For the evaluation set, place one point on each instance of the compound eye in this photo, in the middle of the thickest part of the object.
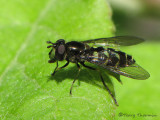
(61, 49)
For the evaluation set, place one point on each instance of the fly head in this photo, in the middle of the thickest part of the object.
(58, 50)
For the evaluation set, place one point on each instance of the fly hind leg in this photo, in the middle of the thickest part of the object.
(107, 88)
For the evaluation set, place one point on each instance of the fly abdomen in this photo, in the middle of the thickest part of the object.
(113, 57)
(118, 58)
(130, 60)
(125, 59)
(98, 57)
(109, 57)
(122, 59)
(94, 55)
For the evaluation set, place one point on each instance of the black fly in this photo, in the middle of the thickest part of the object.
(106, 57)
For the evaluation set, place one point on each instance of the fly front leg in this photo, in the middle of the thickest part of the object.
(79, 69)
(57, 69)
(107, 88)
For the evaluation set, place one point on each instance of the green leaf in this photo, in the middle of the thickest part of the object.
(26, 89)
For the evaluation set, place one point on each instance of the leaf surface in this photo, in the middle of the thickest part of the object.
(26, 89)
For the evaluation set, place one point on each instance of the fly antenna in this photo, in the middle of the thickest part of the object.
(49, 42)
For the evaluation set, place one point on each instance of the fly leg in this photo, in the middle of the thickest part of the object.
(56, 69)
(115, 101)
(107, 88)
(79, 69)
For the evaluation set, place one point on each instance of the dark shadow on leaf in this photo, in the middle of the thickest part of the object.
(86, 75)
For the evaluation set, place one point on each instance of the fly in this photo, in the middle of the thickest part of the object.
(100, 52)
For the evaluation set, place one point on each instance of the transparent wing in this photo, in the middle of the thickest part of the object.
(112, 41)
(133, 71)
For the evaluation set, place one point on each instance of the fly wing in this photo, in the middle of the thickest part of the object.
(115, 41)
(132, 71)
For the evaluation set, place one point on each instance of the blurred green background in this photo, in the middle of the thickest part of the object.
(140, 18)
(26, 25)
